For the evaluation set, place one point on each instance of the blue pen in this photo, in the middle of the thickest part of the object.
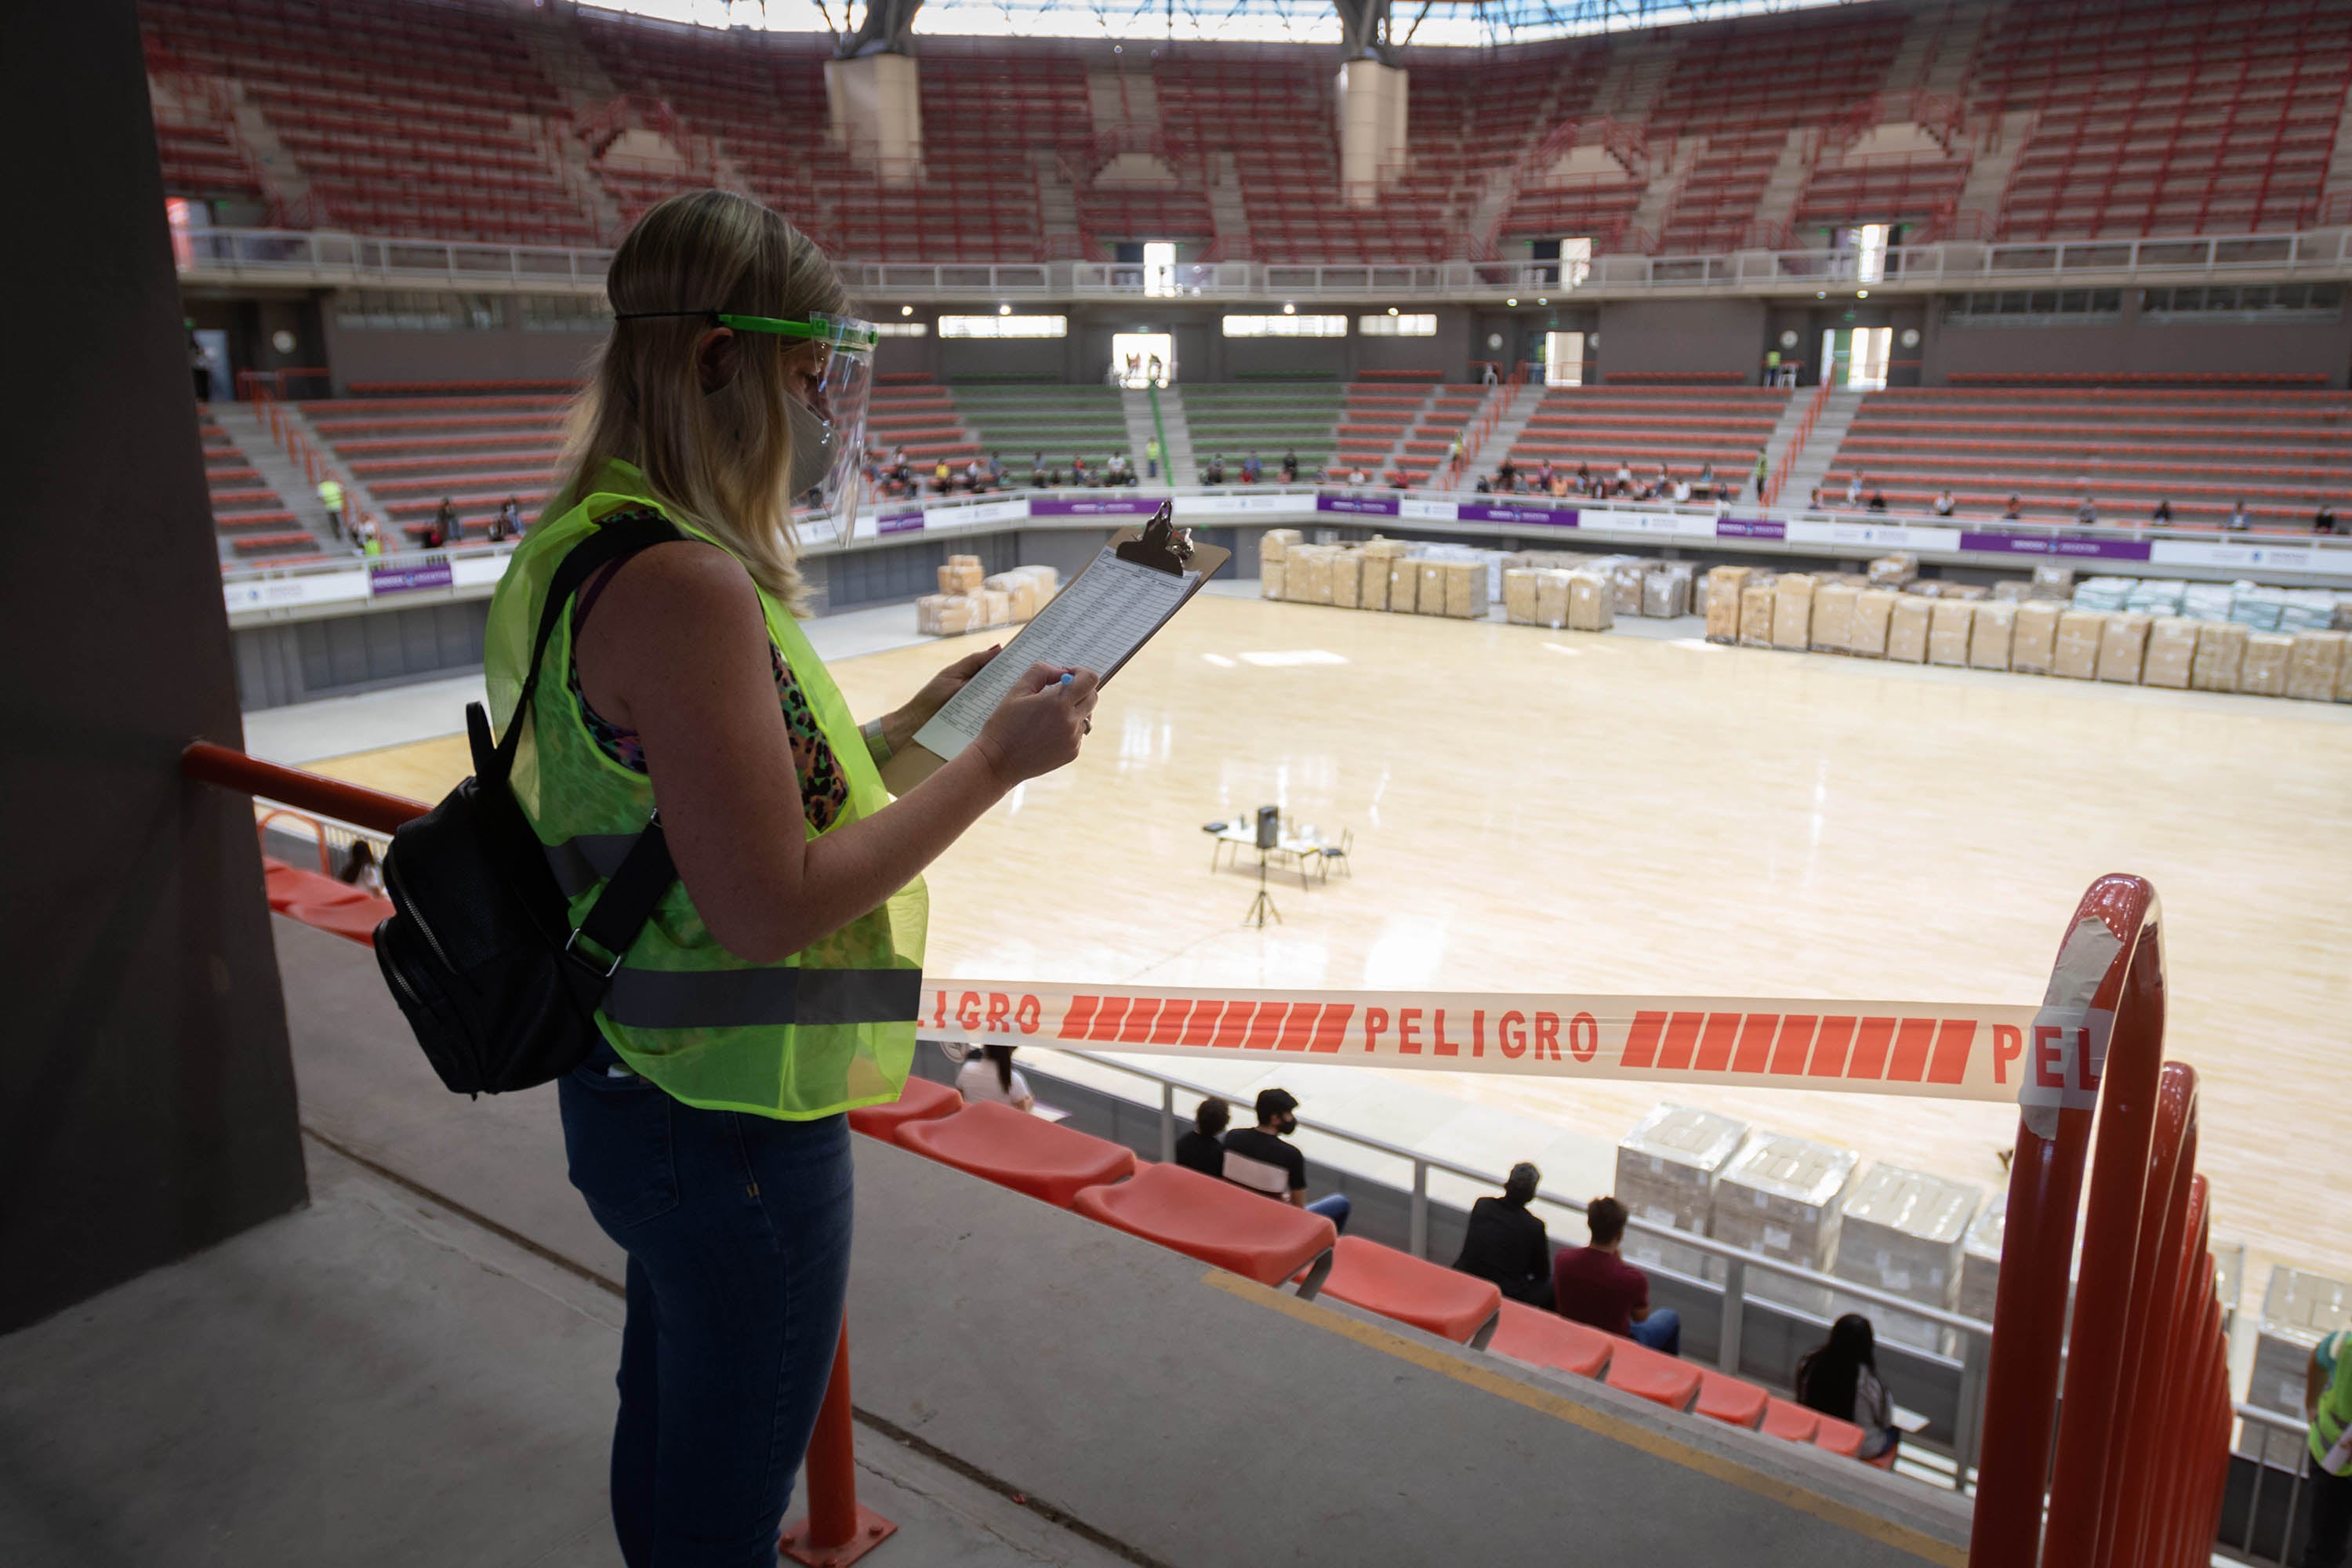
(1067, 677)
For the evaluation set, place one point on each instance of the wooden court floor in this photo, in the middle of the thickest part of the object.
(1538, 810)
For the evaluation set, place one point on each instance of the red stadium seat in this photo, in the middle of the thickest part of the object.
(1633, 1369)
(1531, 1334)
(1218, 1223)
(353, 916)
(1729, 1400)
(920, 1100)
(1428, 1295)
(1015, 1150)
(1839, 1436)
(1790, 1423)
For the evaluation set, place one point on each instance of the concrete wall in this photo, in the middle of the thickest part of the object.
(2137, 345)
(499, 354)
(1644, 335)
(150, 1109)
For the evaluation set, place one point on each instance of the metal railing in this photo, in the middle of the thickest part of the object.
(2267, 1422)
(326, 259)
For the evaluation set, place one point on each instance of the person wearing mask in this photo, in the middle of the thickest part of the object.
(972, 479)
(1151, 457)
(1506, 1244)
(1290, 467)
(1263, 1159)
(1877, 501)
(1853, 489)
(1584, 478)
(1706, 476)
(942, 478)
(1253, 469)
(1594, 1286)
(2162, 516)
(1356, 476)
(2240, 519)
(1755, 474)
(1624, 478)
(1216, 473)
(1945, 503)
(2013, 512)
(1036, 468)
(1682, 492)
(435, 536)
(1200, 1150)
(510, 514)
(2324, 520)
(2087, 513)
(330, 496)
(1839, 1379)
(371, 534)
(992, 1076)
(2327, 1405)
(705, 1131)
(1077, 470)
(447, 522)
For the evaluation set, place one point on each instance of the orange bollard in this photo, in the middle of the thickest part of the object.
(837, 1530)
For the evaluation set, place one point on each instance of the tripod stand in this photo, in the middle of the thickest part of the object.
(1263, 905)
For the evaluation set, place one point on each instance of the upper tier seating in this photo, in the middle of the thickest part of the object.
(1023, 419)
(1234, 419)
(2284, 451)
(1682, 428)
(477, 451)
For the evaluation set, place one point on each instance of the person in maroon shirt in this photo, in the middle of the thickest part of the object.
(1592, 1285)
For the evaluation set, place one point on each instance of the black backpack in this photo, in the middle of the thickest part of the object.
(480, 951)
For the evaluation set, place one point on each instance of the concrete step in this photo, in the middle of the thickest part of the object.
(281, 473)
(1183, 467)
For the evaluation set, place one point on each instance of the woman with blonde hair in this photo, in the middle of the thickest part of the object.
(776, 983)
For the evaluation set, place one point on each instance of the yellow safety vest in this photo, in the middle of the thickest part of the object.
(830, 1028)
(2334, 1412)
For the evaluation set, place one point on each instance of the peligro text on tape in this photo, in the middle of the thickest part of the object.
(2067, 1052)
(1935, 1050)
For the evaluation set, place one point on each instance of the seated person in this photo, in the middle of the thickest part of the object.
(2324, 520)
(1877, 501)
(1839, 1379)
(1506, 1244)
(1592, 1285)
(1199, 1149)
(1944, 502)
(991, 1075)
(2014, 511)
(1260, 1159)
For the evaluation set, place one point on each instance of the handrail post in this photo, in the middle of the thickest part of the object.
(1417, 1241)
(1167, 1122)
(1734, 1315)
(1967, 1426)
(839, 1530)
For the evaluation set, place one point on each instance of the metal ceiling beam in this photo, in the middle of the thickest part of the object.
(888, 29)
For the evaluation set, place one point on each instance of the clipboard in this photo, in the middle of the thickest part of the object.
(1159, 546)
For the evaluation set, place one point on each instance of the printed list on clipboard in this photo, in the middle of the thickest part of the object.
(1130, 590)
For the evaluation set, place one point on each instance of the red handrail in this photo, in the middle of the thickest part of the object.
(839, 1530)
(1797, 444)
(2142, 1444)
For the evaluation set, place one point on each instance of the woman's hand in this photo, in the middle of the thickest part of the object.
(1039, 726)
(898, 728)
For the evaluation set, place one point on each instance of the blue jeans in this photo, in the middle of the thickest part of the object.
(1335, 1208)
(1662, 1332)
(737, 1229)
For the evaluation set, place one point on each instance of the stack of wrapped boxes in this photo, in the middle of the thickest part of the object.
(2299, 1310)
(1273, 553)
(969, 601)
(1666, 1170)
(1900, 1231)
(1780, 1197)
(1981, 1260)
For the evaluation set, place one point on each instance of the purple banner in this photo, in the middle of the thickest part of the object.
(1535, 516)
(1104, 506)
(1750, 528)
(1357, 506)
(905, 520)
(2069, 544)
(402, 579)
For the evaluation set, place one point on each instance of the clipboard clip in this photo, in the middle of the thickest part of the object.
(1162, 546)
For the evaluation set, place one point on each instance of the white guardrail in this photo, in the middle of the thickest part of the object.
(262, 591)
(326, 259)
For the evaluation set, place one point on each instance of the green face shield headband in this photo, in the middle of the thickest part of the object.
(839, 331)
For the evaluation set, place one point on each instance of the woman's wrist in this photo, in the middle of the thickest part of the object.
(897, 729)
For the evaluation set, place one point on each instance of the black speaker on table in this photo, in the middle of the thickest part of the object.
(1269, 826)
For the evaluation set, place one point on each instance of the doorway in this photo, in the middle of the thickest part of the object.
(1857, 356)
(1563, 359)
(1138, 359)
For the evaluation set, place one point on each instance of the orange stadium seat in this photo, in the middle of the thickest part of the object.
(1017, 1149)
(1729, 1400)
(1633, 1369)
(1218, 1223)
(1413, 1290)
(920, 1100)
(1790, 1422)
(1839, 1437)
(1531, 1334)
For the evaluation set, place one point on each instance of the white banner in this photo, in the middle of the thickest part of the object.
(1922, 1049)
(1873, 535)
(309, 588)
(2247, 558)
(478, 570)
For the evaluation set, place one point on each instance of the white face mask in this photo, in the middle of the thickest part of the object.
(812, 447)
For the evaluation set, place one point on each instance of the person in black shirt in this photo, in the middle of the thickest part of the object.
(1199, 1149)
(2324, 520)
(1258, 1158)
(1508, 1245)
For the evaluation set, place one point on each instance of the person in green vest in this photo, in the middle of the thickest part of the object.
(777, 982)
(371, 535)
(1756, 474)
(1151, 458)
(2327, 1401)
(331, 495)
(1771, 368)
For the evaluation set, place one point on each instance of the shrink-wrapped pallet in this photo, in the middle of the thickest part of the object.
(1926, 588)
(1404, 585)
(962, 574)
(1874, 609)
(1981, 1259)
(1973, 592)
(1894, 570)
(1432, 588)
(1552, 590)
(1275, 543)
(1949, 622)
(1021, 586)
(1755, 607)
(1666, 590)
(2053, 582)
(1381, 556)
(948, 615)
(2171, 652)
(1348, 579)
(1833, 618)
(2014, 590)
(1626, 587)
(2315, 666)
(1724, 587)
(2299, 1310)
(1467, 584)
(1272, 579)
(1780, 1197)
(1792, 611)
(1307, 568)
(1907, 628)
(2157, 596)
(1520, 596)
(2033, 640)
(2207, 601)
(2343, 678)
(2263, 673)
(1666, 1169)
(995, 608)
(1900, 1231)
(2221, 653)
(1591, 601)
(2076, 655)
(1989, 634)
(2123, 647)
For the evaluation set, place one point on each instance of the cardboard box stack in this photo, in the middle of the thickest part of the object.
(1900, 1231)
(1792, 611)
(2123, 647)
(1666, 1169)
(1833, 618)
(1989, 635)
(2315, 666)
(1306, 571)
(2221, 653)
(1430, 599)
(962, 574)
(2171, 652)
(2080, 632)
(1755, 609)
(2034, 641)
(1894, 570)
(1724, 588)
(1555, 592)
(2156, 596)
(1666, 590)
(1381, 556)
(2299, 1310)
(1347, 578)
(2053, 582)
(1519, 595)
(950, 615)
(2207, 601)
(1591, 600)
(1029, 589)
(1949, 623)
(1780, 1197)
(1625, 574)
(1874, 612)
(2263, 673)
(1467, 584)
(2103, 593)
(1404, 585)
(1981, 1260)
(1908, 624)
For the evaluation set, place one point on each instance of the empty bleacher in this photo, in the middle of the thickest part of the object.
(1401, 424)
(1680, 426)
(910, 411)
(1023, 419)
(250, 519)
(2284, 451)
(411, 451)
(1268, 418)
